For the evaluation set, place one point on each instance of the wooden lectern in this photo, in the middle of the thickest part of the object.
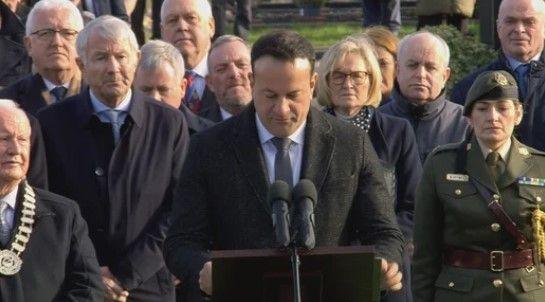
(328, 274)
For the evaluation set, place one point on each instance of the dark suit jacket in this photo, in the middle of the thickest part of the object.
(115, 8)
(59, 263)
(124, 192)
(31, 93)
(195, 123)
(394, 141)
(220, 203)
(14, 60)
(37, 169)
(210, 109)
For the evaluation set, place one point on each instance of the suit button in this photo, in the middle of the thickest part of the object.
(458, 192)
(99, 171)
(497, 283)
(495, 227)
(451, 284)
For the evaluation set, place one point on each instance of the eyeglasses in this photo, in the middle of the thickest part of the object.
(357, 77)
(48, 34)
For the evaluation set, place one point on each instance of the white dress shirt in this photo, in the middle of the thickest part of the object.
(202, 71)
(225, 114)
(101, 109)
(269, 150)
(503, 151)
(9, 212)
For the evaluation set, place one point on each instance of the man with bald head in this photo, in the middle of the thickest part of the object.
(189, 26)
(51, 31)
(421, 74)
(36, 225)
(521, 30)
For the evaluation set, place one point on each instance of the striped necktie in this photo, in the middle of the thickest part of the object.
(4, 228)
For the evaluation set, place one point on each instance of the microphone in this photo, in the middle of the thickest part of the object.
(279, 198)
(304, 198)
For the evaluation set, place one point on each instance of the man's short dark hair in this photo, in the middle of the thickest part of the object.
(284, 45)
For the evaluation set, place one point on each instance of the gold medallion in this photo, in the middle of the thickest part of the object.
(10, 263)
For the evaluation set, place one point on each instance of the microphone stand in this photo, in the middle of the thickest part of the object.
(295, 263)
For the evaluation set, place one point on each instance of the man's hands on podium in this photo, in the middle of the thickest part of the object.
(114, 291)
(390, 276)
(205, 278)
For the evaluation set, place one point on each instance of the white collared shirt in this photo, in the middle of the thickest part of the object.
(50, 86)
(225, 114)
(503, 150)
(269, 150)
(9, 212)
(101, 108)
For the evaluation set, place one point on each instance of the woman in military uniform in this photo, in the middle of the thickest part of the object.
(478, 219)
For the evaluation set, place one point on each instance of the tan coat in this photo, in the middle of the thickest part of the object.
(447, 7)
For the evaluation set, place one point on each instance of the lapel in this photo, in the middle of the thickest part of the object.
(318, 148)
(247, 149)
(477, 168)
(517, 165)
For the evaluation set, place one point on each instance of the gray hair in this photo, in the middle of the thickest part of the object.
(204, 9)
(156, 52)
(108, 27)
(224, 40)
(11, 105)
(443, 46)
(58, 5)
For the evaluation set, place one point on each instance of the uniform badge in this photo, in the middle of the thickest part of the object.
(523, 151)
(500, 79)
(457, 177)
(530, 181)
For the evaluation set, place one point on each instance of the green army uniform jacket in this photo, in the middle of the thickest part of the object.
(450, 212)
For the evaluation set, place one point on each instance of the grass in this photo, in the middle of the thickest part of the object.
(322, 35)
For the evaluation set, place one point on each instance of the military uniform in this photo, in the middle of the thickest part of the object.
(462, 250)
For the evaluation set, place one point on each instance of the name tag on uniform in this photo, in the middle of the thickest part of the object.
(457, 177)
(539, 182)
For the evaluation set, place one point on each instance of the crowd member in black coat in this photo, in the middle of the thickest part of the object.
(220, 202)
(45, 251)
(14, 60)
(349, 86)
(521, 55)
(160, 76)
(419, 96)
(228, 77)
(99, 8)
(53, 54)
(122, 171)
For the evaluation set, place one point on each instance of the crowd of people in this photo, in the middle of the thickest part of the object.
(123, 165)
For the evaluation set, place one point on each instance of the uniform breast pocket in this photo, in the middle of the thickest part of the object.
(534, 194)
(456, 190)
(453, 287)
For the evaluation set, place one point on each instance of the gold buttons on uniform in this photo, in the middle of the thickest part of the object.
(538, 198)
(540, 283)
(457, 191)
(451, 284)
(495, 227)
(99, 171)
(497, 283)
(496, 197)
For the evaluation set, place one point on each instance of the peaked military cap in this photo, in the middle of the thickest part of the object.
(496, 85)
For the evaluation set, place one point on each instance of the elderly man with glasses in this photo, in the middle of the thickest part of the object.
(51, 31)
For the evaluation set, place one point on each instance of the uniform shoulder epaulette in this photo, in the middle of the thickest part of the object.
(444, 148)
(535, 151)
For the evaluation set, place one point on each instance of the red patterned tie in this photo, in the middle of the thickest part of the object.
(191, 98)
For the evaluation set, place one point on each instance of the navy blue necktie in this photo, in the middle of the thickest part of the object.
(59, 93)
(282, 161)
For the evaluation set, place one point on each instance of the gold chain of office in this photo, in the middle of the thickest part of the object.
(10, 259)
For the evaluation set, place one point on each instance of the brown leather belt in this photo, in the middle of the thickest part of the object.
(495, 261)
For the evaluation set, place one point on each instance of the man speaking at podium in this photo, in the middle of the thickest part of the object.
(220, 202)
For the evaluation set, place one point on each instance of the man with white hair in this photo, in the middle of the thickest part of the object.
(521, 30)
(51, 30)
(421, 74)
(45, 251)
(189, 26)
(118, 153)
(160, 76)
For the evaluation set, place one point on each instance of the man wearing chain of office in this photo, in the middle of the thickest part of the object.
(45, 251)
